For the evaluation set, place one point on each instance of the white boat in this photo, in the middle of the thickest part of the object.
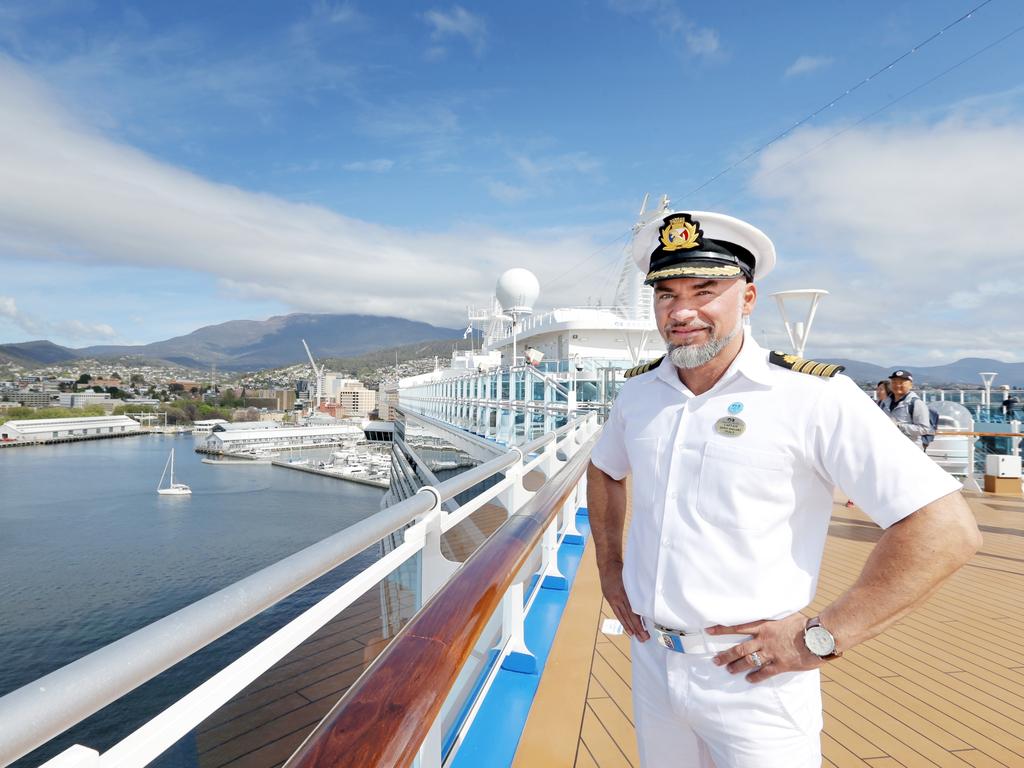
(173, 489)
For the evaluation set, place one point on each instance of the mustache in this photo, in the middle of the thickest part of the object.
(695, 325)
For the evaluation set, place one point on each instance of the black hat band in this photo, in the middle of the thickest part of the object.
(715, 259)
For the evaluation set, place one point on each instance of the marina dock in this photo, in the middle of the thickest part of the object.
(327, 473)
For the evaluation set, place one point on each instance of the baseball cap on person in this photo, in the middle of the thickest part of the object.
(901, 374)
(701, 244)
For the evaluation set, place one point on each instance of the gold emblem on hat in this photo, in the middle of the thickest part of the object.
(680, 233)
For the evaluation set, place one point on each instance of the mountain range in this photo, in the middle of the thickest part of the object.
(248, 345)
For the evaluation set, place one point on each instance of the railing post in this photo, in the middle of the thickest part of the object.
(435, 568)
(570, 533)
(970, 484)
(518, 657)
(551, 575)
(430, 749)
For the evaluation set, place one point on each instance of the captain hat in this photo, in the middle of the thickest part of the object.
(703, 245)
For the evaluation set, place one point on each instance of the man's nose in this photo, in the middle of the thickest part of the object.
(682, 314)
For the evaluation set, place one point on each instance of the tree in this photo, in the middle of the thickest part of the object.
(85, 378)
(137, 379)
(176, 416)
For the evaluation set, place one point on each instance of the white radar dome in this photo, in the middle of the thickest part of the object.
(517, 290)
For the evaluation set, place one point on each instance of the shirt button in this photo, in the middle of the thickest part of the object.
(673, 495)
(665, 542)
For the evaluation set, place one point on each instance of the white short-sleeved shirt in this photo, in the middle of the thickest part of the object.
(728, 528)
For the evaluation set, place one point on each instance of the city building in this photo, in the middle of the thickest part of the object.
(34, 399)
(387, 399)
(82, 399)
(356, 400)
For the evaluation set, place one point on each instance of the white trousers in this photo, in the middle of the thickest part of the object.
(690, 713)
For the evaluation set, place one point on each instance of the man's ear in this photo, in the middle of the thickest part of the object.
(749, 298)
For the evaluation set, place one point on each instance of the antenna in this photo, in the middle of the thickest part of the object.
(643, 205)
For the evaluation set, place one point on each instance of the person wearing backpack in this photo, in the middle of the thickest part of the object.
(907, 410)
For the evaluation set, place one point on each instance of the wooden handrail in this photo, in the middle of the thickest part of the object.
(943, 433)
(384, 717)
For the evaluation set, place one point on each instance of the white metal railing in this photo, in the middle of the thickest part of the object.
(505, 405)
(39, 711)
(615, 317)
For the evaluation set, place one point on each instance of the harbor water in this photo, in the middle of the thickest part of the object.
(89, 553)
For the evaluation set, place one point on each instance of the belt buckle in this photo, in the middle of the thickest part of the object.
(672, 639)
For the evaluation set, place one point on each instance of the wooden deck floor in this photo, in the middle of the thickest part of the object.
(943, 687)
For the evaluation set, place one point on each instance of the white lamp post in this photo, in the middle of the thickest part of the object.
(986, 379)
(800, 330)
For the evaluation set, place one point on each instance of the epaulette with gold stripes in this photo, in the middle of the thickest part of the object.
(644, 368)
(798, 364)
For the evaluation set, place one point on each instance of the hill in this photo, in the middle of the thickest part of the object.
(36, 353)
(248, 345)
(964, 371)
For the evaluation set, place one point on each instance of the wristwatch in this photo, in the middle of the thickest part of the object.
(819, 640)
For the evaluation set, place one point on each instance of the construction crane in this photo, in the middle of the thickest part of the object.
(318, 375)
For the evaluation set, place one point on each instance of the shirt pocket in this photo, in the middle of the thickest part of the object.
(644, 459)
(744, 489)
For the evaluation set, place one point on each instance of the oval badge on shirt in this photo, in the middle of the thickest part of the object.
(730, 426)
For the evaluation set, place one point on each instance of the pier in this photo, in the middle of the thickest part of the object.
(336, 475)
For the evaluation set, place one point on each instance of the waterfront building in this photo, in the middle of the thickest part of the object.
(206, 425)
(41, 430)
(229, 438)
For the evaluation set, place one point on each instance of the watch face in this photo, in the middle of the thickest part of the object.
(819, 641)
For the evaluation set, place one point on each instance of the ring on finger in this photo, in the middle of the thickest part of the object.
(755, 659)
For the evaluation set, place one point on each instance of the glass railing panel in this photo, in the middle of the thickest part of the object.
(266, 722)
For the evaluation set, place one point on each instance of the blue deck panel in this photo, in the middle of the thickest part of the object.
(493, 737)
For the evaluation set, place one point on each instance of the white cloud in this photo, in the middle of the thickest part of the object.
(80, 331)
(540, 175)
(508, 193)
(69, 194)
(9, 311)
(671, 23)
(805, 64)
(381, 165)
(458, 22)
(913, 227)
(75, 330)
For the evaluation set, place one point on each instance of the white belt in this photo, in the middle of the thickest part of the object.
(698, 641)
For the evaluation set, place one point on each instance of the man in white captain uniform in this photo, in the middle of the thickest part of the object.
(734, 453)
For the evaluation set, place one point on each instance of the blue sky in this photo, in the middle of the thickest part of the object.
(167, 166)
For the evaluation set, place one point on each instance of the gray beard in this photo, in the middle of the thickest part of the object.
(694, 356)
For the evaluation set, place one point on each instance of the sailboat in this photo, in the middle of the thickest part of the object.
(174, 489)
